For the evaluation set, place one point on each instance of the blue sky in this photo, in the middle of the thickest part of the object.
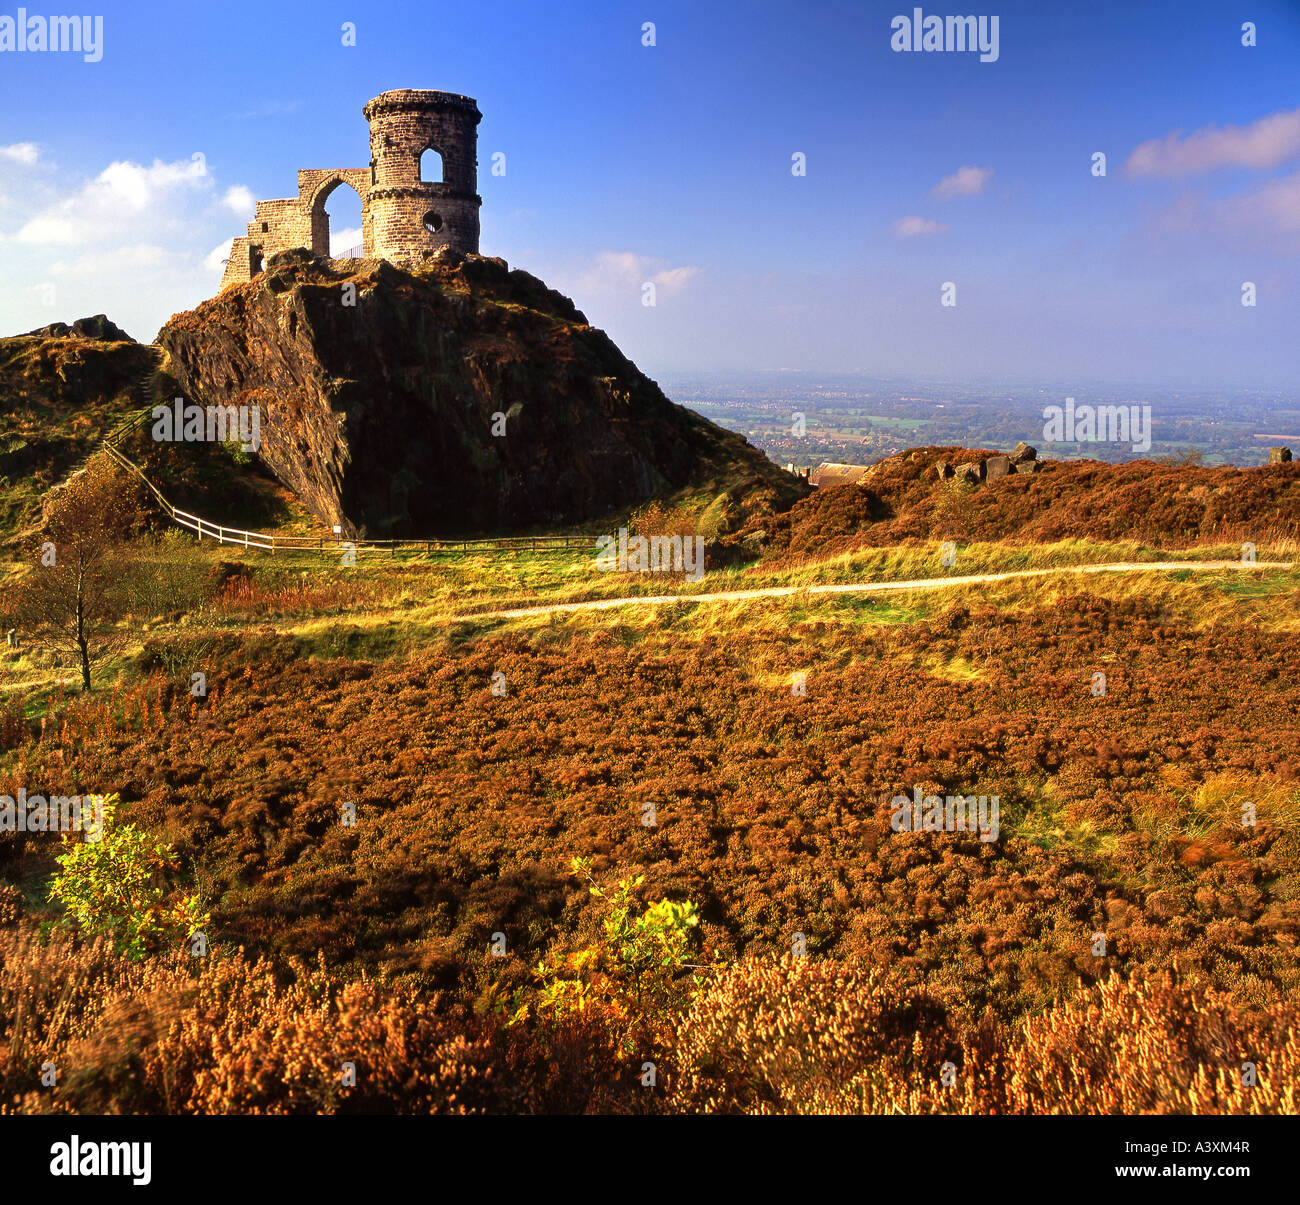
(672, 163)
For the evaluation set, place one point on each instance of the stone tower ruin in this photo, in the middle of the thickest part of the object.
(405, 214)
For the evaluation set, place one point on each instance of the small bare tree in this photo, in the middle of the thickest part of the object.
(73, 595)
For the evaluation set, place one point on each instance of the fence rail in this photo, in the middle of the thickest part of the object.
(269, 542)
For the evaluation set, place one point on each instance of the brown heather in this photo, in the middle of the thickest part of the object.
(1120, 815)
(801, 1037)
(230, 1035)
(902, 500)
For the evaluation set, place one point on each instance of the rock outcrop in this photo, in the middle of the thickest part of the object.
(830, 473)
(1145, 501)
(99, 327)
(456, 397)
(1022, 459)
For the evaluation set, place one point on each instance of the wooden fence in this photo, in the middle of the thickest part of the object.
(272, 543)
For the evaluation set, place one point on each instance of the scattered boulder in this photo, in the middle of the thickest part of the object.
(1279, 456)
(1022, 452)
(830, 473)
(1024, 459)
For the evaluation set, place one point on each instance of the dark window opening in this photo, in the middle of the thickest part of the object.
(433, 222)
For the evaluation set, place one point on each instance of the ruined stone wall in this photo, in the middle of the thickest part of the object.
(402, 217)
(276, 226)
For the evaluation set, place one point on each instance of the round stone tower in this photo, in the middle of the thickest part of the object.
(410, 216)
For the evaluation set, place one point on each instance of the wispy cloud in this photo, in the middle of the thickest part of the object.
(216, 259)
(913, 227)
(968, 181)
(1264, 217)
(617, 271)
(1263, 144)
(345, 240)
(126, 240)
(128, 258)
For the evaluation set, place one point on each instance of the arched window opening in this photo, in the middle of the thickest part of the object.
(431, 167)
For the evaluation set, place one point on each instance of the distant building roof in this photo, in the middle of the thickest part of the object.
(838, 474)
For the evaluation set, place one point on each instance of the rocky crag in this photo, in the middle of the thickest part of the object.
(455, 397)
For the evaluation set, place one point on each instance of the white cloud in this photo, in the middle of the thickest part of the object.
(968, 181)
(25, 153)
(240, 201)
(1263, 144)
(123, 199)
(127, 241)
(913, 227)
(673, 280)
(49, 228)
(1272, 207)
(344, 240)
(216, 258)
(620, 271)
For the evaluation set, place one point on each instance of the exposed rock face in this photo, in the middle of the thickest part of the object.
(98, 327)
(380, 415)
(830, 473)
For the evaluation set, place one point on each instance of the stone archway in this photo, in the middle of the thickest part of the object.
(314, 190)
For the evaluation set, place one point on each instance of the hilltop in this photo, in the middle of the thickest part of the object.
(457, 396)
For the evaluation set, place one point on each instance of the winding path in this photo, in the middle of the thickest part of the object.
(926, 583)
